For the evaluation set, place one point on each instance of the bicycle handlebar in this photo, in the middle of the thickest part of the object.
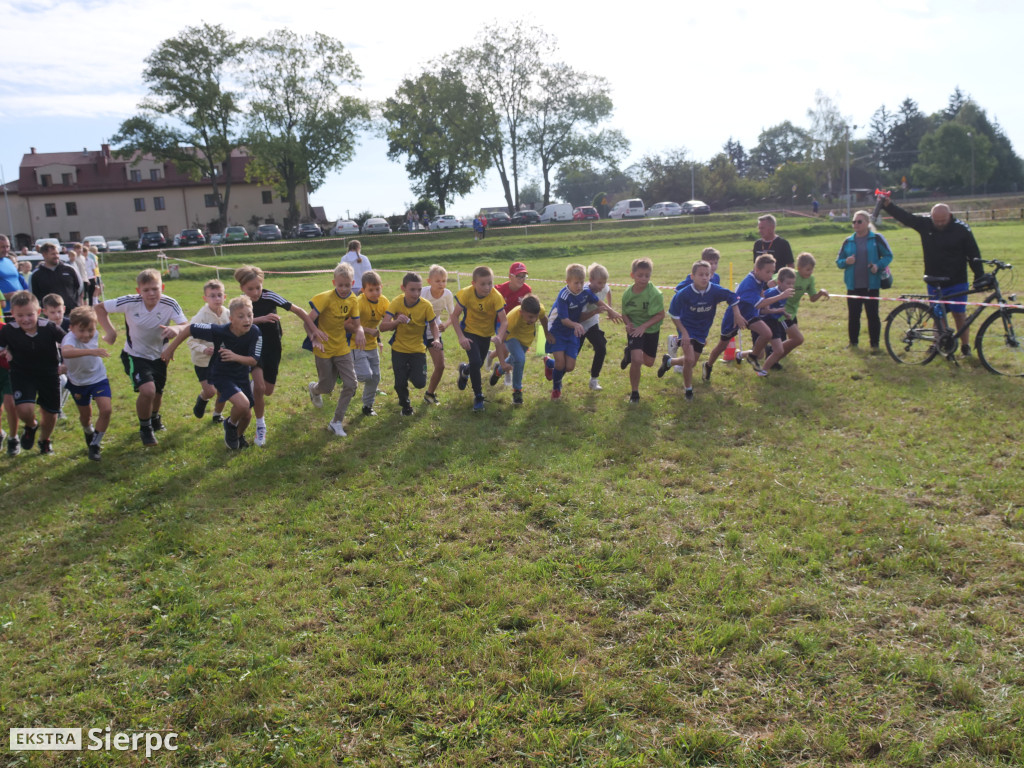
(997, 264)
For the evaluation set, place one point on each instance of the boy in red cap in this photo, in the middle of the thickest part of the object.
(513, 292)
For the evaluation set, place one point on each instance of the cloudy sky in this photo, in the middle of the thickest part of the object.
(683, 75)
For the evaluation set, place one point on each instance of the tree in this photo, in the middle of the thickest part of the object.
(530, 194)
(569, 102)
(830, 134)
(190, 115)
(736, 155)
(438, 124)
(671, 178)
(948, 161)
(578, 182)
(300, 124)
(779, 144)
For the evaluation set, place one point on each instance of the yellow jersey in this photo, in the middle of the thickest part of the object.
(370, 315)
(521, 330)
(479, 316)
(333, 311)
(408, 337)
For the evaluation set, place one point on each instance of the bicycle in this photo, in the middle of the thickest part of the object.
(917, 331)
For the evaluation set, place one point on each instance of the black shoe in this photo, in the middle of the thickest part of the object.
(666, 363)
(157, 422)
(88, 438)
(199, 408)
(705, 371)
(230, 435)
(517, 397)
(749, 357)
(94, 452)
(495, 374)
(463, 375)
(13, 446)
(45, 447)
(368, 411)
(148, 438)
(777, 367)
(242, 442)
(634, 397)
(965, 350)
(28, 437)
(688, 394)
(218, 418)
(407, 410)
(625, 360)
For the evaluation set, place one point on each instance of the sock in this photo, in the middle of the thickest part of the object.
(146, 422)
(689, 389)
(260, 422)
(97, 438)
(557, 378)
(89, 431)
(155, 416)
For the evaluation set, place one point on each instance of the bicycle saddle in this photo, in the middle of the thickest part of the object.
(934, 280)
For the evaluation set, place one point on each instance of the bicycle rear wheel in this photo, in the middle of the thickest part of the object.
(910, 333)
(999, 342)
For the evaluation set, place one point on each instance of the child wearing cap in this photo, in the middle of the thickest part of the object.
(513, 292)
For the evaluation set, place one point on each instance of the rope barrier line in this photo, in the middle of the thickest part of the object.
(923, 300)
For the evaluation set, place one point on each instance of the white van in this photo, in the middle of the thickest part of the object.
(628, 209)
(556, 212)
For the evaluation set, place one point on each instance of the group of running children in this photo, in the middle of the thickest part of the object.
(236, 350)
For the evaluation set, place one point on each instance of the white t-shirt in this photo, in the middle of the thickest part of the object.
(358, 267)
(197, 347)
(89, 262)
(143, 334)
(444, 304)
(590, 322)
(88, 369)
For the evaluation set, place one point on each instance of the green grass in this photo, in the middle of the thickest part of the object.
(820, 568)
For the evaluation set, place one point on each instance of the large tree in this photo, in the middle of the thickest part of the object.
(953, 158)
(578, 182)
(190, 115)
(439, 125)
(301, 123)
(777, 145)
(830, 134)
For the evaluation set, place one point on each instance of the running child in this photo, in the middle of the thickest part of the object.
(513, 291)
(264, 307)
(33, 344)
(566, 327)
(693, 311)
(372, 308)
(479, 308)
(590, 318)
(336, 312)
(150, 319)
(520, 332)
(9, 408)
(804, 284)
(87, 376)
(237, 349)
(213, 312)
(712, 257)
(412, 319)
(643, 310)
(443, 302)
(773, 312)
(749, 292)
(54, 309)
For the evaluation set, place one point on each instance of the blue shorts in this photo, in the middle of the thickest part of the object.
(958, 291)
(570, 345)
(228, 388)
(83, 395)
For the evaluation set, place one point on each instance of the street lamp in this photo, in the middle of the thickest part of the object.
(848, 129)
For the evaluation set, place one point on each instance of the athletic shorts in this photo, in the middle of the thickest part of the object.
(140, 371)
(37, 388)
(5, 382)
(777, 326)
(570, 345)
(648, 343)
(202, 372)
(730, 335)
(85, 394)
(228, 388)
(697, 346)
(937, 292)
(428, 340)
(270, 362)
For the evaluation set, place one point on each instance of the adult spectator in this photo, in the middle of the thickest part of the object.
(772, 244)
(949, 248)
(54, 277)
(863, 256)
(11, 280)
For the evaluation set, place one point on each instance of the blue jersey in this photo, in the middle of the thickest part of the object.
(770, 293)
(570, 306)
(696, 310)
(749, 292)
(715, 279)
(249, 344)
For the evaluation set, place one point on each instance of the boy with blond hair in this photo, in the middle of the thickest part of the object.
(479, 308)
(213, 312)
(774, 311)
(87, 376)
(372, 308)
(150, 319)
(412, 319)
(590, 318)
(803, 284)
(643, 310)
(336, 313)
(443, 302)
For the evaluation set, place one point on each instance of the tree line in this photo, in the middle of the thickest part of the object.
(508, 103)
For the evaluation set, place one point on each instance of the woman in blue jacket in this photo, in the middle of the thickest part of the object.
(863, 256)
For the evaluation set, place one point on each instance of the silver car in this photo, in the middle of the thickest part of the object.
(665, 209)
(376, 226)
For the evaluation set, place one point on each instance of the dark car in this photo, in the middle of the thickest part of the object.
(698, 207)
(152, 240)
(268, 232)
(192, 237)
(498, 219)
(526, 217)
(308, 230)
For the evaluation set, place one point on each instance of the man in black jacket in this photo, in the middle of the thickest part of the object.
(949, 248)
(53, 276)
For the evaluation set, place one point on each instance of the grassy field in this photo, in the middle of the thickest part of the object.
(821, 568)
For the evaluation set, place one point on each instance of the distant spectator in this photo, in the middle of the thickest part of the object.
(772, 244)
(54, 277)
(360, 264)
(11, 279)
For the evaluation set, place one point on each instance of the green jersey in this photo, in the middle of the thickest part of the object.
(641, 307)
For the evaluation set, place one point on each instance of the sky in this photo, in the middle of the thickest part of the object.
(682, 76)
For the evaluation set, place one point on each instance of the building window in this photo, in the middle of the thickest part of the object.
(140, 203)
(268, 197)
(51, 209)
(45, 180)
(65, 179)
(76, 236)
(158, 204)
(164, 230)
(136, 175)
(72, 210)
(154, 174)
(211, 201)
(142, 231)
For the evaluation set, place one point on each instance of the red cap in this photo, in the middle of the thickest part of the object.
(517, 269)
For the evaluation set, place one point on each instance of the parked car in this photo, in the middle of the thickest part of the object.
(268, 232)
(696, 207)
(345, 227)
(665, 209)
(376, 226)
(115, 245)
(43, 240)
(236, 235)
(98, 240)
(32, 257)
(584, 213)
(498, 219)
(466, 222)
(152, 240)
(216, 239)
(447, 221)
(309, 229)
(526, 217)
(632, 208)
(191, 237)
(556, 212)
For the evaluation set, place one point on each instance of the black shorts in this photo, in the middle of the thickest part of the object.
(39, 388)
(777, 326)
(270, 361)
(730, 335)
(202, 372)
(648, 343)
(141, 371)
(697, 346)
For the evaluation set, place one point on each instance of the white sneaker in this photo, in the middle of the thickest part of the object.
(508, 378)
(337, 428)
(318, 402)
(261, 435)
(595, 385)
(673, 345)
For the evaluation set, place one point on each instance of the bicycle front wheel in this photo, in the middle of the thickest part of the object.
(911, 335)
(999, 342)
